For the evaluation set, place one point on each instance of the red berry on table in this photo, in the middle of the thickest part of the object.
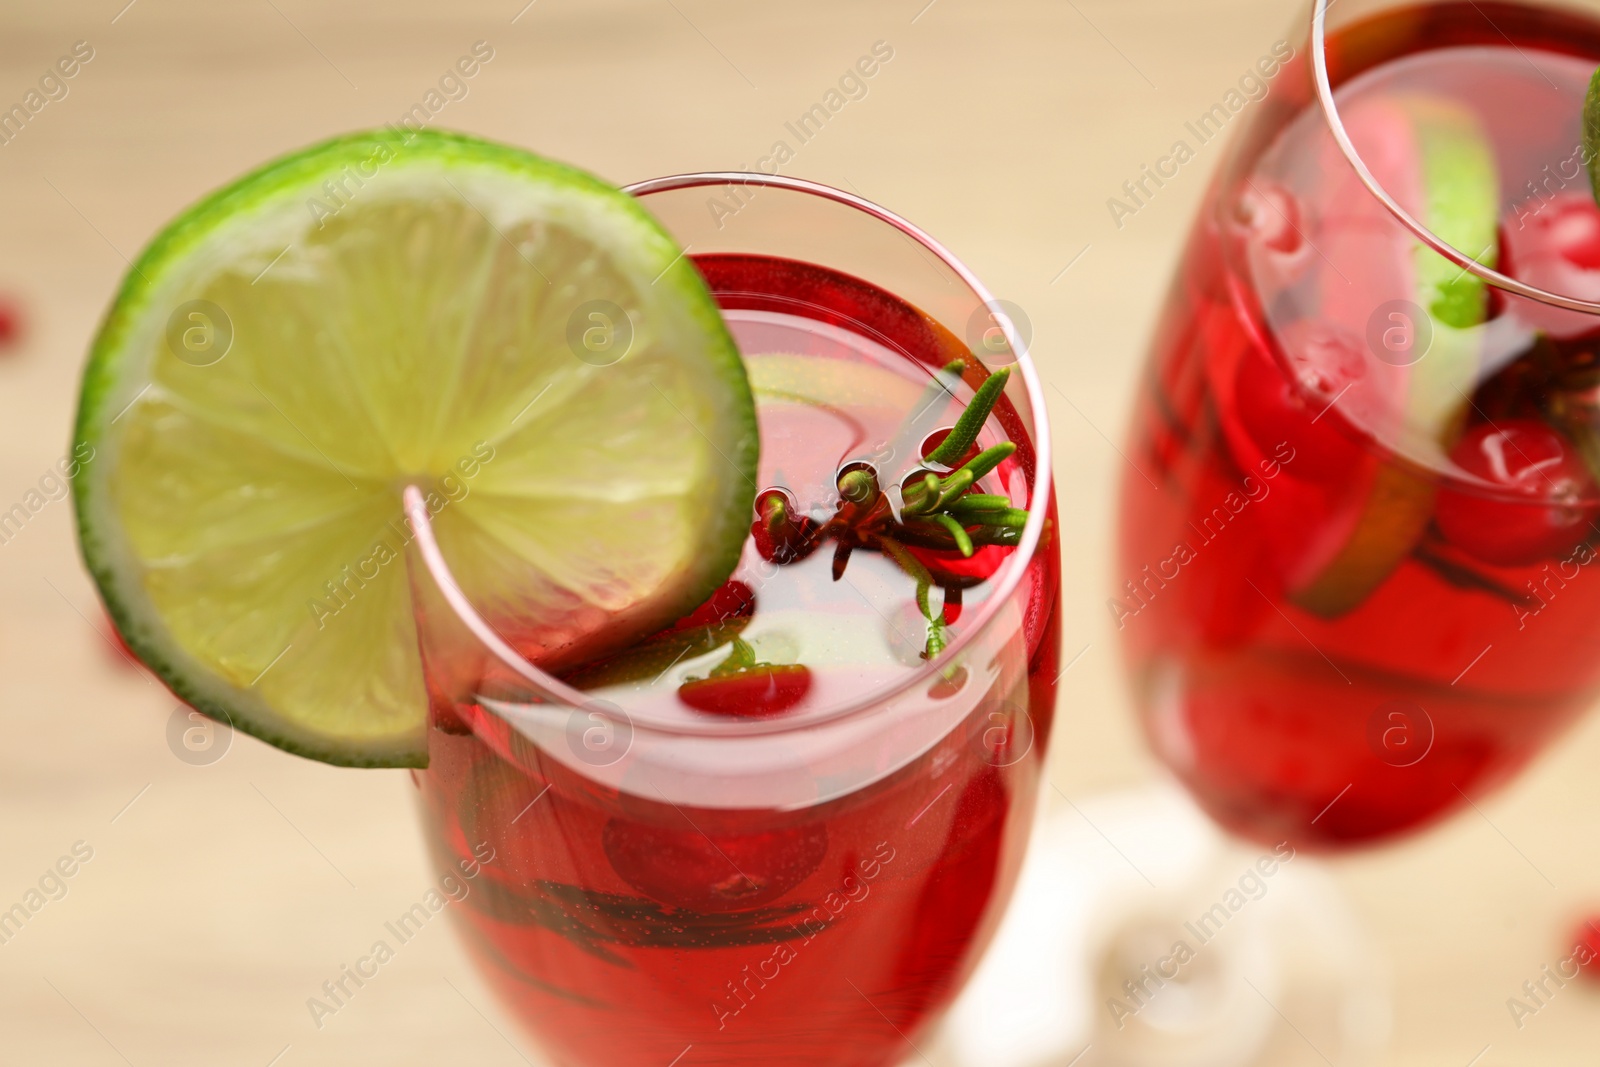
(1538, 502)
(1555, 245)
(11, 323)
(1586, 948)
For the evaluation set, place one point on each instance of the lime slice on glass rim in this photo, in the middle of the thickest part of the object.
(1441, 155)
(516, 337)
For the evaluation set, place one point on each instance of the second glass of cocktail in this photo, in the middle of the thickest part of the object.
(781, 830)
(1355, 550)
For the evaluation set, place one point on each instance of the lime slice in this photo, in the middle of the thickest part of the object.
(517, 337)
(1436, 158)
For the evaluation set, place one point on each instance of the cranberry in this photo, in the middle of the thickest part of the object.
(950, 567)
(745, 688)
(732, 600)
(1300, 408)
(754, 692)
(12, 323)
(1545, 498)
(1586, 948)
(1270, 216)
(1266, 228)
(685, 868)
(1555, 244)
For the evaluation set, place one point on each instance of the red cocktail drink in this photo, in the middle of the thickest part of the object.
(782, 830)
(1356, 581)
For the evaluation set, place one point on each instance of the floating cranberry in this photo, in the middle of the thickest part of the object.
(1543, 496)
(685, 868)
(1299, 408)
(743, 688)
(1555, 245)
(752, 693)
(950, 567)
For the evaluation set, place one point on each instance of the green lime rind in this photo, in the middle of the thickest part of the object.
(1591, 131)
(122, 364)
(1462, 185)
(1461, 189)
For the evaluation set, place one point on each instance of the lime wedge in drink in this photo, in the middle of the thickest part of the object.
(516, 337)
(1435, 157)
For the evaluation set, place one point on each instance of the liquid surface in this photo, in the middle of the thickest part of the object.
(826, 396)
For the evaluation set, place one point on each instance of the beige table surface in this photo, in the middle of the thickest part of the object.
(219, 898)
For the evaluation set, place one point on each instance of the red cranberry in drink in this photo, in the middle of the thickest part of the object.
(1267, 224)
(1300, 407)
(732, 600)
(756, 692)
(1538, 502)
(1555, 244)
(1271, 216)
(952, 568)
(711, 872)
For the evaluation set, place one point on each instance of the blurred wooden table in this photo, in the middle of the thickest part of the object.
(218, 898)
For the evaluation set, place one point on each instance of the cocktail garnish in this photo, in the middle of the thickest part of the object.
(936, 512)
(743, 687)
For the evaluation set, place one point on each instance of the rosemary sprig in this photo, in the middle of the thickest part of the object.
(942, 511)
(594, 920)
(924, 579)
(967, 428)
(934, 492)
(957, 531)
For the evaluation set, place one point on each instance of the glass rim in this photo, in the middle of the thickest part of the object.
(1008, 578)
(1330, 111)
